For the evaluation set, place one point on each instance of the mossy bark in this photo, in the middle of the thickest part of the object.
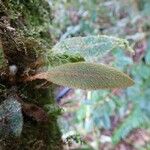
(24, 39)
(35, 135)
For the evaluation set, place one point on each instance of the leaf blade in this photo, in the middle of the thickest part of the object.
(90, 46)
(86, 76)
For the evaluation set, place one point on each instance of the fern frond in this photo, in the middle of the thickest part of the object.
(134, 120)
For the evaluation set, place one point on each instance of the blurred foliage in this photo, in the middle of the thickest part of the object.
(93, 114)
(91, 46)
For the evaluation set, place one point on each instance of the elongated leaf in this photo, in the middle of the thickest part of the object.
(86, 76)
(11, 120)
(91, 46)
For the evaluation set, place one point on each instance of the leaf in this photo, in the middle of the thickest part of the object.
(86, 76)
(11, 120)
(91, 46)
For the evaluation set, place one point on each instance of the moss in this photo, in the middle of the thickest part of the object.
(35, 136)
(25, 41)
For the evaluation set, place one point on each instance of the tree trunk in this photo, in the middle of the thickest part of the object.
(24, 37)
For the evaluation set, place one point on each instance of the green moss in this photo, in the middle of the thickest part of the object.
(26, 41)
(35, 136)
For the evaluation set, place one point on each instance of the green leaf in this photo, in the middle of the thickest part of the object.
(86, 76)
(11, 120)
(91, 46)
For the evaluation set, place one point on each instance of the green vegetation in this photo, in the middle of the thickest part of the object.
(74, 43)
(24, 45)
(117, 113)
(86, 76)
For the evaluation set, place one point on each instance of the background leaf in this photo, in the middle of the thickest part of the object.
(125, 19)
(90, 46)
(86, 76)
